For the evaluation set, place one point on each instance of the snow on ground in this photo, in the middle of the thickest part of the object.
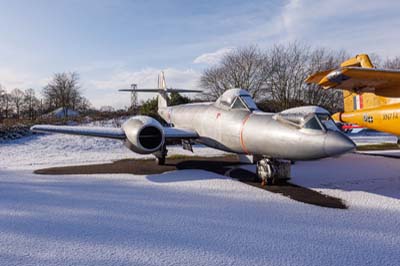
(189, 217)
(56, 149)
(362, 181)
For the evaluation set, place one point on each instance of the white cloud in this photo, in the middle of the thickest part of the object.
(214, 57)
(369, 27)
(343, 24)
(10, 79)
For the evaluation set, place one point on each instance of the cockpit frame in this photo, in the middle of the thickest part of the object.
(239, 104)
(312, 121)
(236, 99)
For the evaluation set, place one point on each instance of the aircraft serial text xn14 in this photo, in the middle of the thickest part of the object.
(233, 123)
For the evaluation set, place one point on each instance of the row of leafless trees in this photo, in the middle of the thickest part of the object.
(62, 91)
(275, 77)
(18, 103)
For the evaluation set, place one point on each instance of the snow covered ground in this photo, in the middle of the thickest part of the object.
(189, 217)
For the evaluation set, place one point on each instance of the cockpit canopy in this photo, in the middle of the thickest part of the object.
(308, 117)
(236, 99)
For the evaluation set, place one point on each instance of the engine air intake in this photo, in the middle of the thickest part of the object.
(150, 137)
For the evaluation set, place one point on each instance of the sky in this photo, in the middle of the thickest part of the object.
(113, 43)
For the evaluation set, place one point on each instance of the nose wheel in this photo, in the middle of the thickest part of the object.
(271, 171)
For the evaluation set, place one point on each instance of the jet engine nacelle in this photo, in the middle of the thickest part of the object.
(144, 134)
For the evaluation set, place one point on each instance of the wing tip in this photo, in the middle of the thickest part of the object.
(33, 128)
(39, 128)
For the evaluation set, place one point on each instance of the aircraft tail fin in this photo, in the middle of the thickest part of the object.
(354, 101)
(162, 96)
(364, 87)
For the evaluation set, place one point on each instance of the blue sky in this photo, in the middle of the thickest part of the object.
(114, 43)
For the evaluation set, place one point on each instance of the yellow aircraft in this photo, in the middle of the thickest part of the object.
(371, 96)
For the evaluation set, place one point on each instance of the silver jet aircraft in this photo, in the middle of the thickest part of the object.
(234, 124)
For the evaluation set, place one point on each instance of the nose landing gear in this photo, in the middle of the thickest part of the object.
(271, 171)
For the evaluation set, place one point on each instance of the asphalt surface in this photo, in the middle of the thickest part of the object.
(222, 165)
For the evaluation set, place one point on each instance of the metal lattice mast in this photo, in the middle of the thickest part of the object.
(134, 98)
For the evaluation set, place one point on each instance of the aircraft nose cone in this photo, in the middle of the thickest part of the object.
(337, 143)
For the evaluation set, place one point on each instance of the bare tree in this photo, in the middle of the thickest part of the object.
(276, 75)
(31, 103)
(212, 81)
(242, 68)
(5, 103)
(17, 99)
(83, 104)
(392, 63)
(2, 98)
(64, 91)
(289, 70)
(321, 60)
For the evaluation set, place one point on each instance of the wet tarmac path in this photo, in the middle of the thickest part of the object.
(222, 165)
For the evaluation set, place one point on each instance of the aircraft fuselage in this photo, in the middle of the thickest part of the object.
(256, 133)
(383, 118)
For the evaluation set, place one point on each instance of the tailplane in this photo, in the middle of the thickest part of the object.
(361, 60)
(162, 91)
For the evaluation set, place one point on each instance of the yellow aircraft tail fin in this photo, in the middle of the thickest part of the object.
(354, 101)
(364, 87)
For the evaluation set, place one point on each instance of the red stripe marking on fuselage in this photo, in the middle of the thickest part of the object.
(350, 126)
(361, 101)
(241, 133)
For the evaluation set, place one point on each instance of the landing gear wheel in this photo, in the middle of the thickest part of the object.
(264, 172)
(271, 171)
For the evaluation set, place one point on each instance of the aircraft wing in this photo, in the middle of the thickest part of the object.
(179, 133)
(102, 132)
(316, 77)
(112, 133)
(357, 79)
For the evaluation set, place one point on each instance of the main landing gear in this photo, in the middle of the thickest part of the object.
(271, 171)
(161, 155)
